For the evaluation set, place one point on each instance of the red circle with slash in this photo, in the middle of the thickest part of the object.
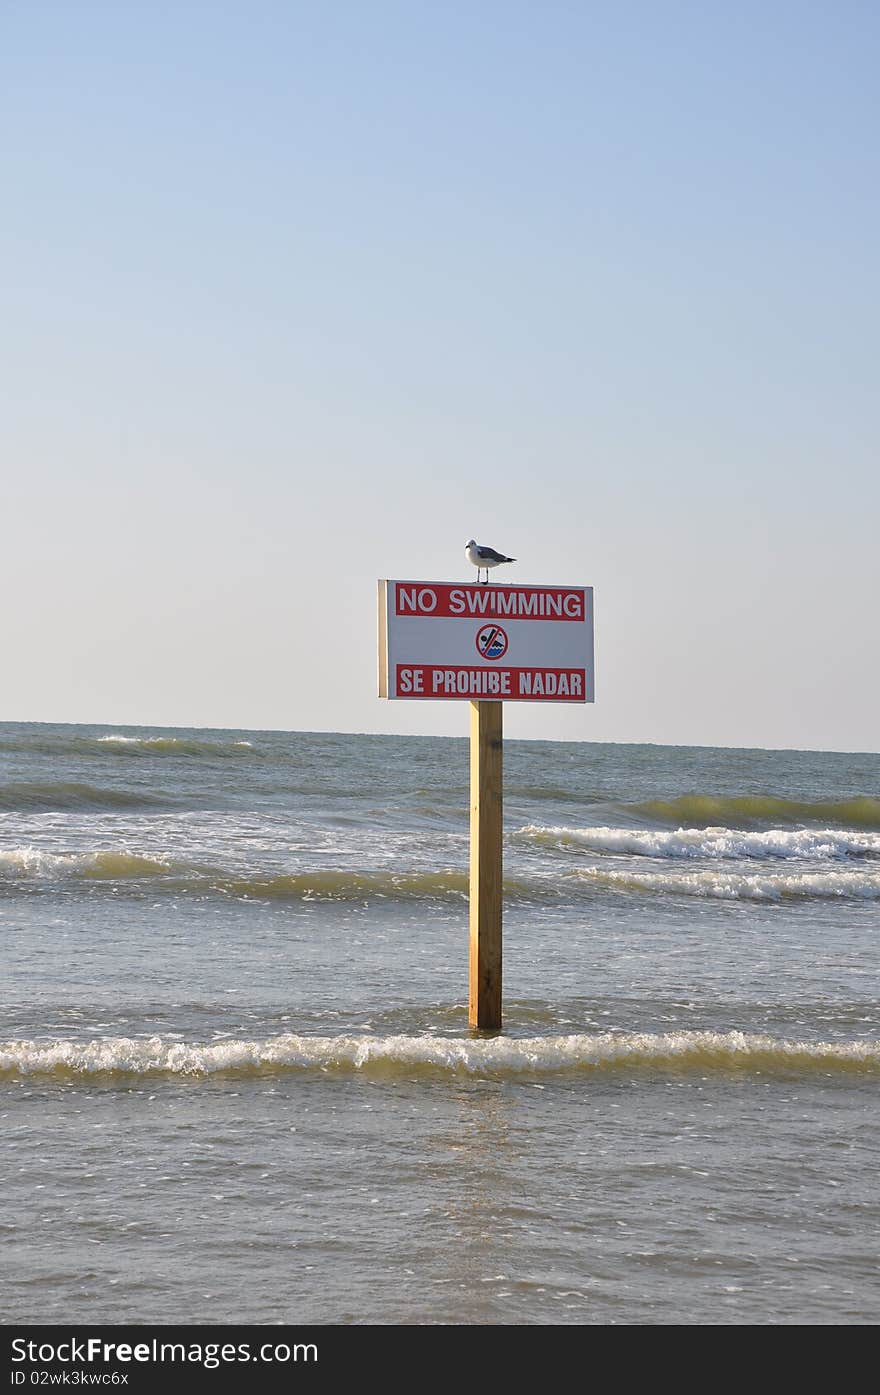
(491, 642)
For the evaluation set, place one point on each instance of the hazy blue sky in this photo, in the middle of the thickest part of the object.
(301, 295)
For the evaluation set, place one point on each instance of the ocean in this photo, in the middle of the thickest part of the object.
(237, 1083)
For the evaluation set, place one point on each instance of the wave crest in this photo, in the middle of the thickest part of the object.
(35, 867)
(704, 810)
(92, 866)
(740, 886)
(52, 795)
(397, 1055)
(173, 745)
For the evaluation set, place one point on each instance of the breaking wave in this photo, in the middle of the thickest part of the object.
(704, 810)
(36, 868)
(78, 743)
(409, 1055)
(740, 886)
(711, 842)
(30, 869)
(35, 864)
(173, 745)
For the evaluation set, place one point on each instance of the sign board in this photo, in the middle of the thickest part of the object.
(485, 643)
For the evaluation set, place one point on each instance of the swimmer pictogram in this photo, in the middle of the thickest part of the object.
(492, 642)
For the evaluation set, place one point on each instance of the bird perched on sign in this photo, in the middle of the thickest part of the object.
(487, 557)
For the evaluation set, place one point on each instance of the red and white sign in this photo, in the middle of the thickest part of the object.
(495, 642)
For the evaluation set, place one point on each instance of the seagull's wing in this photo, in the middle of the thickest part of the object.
(491, 555)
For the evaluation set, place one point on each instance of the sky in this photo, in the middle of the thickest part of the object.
(296, 296)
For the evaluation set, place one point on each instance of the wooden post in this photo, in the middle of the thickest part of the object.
(484, 1008)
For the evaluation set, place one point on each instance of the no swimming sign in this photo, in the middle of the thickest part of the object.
(485, 643)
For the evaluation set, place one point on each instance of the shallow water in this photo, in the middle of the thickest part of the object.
(236, 1077)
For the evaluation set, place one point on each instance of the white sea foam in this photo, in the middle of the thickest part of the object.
(741, 886)
(36, 862)
(396, 1054)
(117, 739)
(175, 745)
(726, 843)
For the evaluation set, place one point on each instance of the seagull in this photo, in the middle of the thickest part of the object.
(482, 557)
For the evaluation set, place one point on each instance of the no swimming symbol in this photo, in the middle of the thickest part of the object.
(492, 642)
